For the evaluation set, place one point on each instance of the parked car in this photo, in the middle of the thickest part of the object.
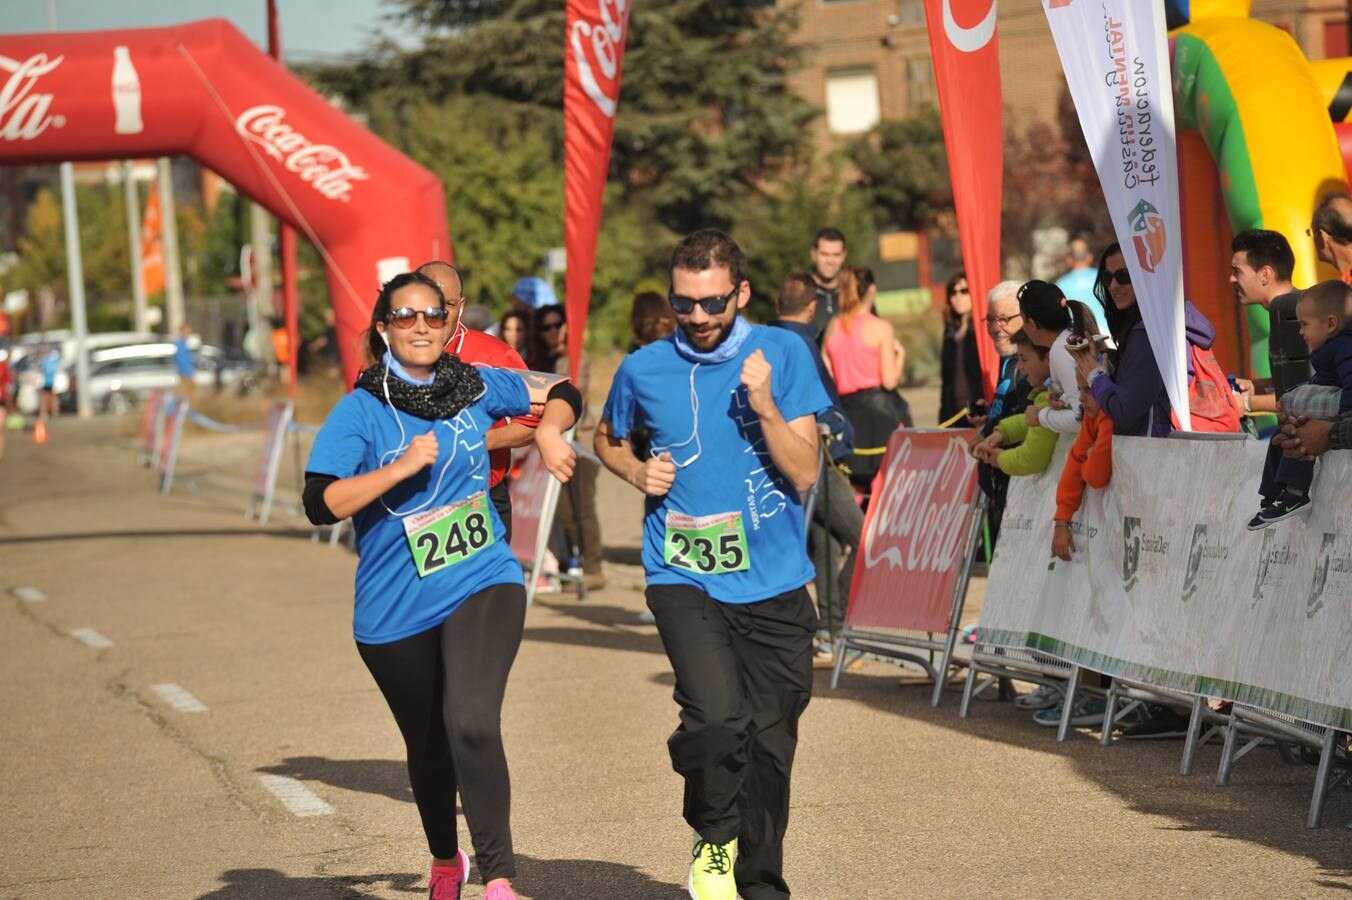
(28, 351)
(122, 376)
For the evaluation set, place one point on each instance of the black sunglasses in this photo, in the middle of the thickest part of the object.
(552, 326)
(406, 316)
(713, 306)
(1121, 276)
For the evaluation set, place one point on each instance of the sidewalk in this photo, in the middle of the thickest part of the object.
(110, 790)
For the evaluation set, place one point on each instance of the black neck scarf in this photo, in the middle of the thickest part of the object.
(455, 385)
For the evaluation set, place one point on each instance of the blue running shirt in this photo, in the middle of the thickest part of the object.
(733, 472)
(392, 600)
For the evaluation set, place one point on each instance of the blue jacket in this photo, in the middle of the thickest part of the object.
(834, 418)
(1333, 366)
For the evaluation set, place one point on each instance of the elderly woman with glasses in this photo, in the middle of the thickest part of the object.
(959, 366)
(440, 601)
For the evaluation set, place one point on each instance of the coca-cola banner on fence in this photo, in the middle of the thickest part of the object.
(593, 59)
(914, 533)
(203, 90)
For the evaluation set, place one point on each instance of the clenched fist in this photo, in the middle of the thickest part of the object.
(421, 453)
(656, 475)
(556, 453)
(756, 372)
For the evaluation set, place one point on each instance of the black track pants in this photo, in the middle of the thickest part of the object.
(743, 677)
(445, 687)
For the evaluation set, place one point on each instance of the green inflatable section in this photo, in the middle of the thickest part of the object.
(1204, 103)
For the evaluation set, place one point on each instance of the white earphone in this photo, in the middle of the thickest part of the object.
(694, 431)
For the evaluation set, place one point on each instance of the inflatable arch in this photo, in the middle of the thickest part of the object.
(204, 90)
(1258, 149)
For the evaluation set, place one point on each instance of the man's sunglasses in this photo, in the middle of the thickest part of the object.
(552, 326)
(1121, 276)
(406, 316)
(713, 306)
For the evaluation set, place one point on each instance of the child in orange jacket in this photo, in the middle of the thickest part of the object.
(1090, 463)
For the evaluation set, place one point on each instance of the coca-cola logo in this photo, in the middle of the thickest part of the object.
(605, 40)
(24, 114)
(969, 40)
(919, 513)
(323, 166)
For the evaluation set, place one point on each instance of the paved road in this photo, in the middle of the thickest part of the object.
(111, 788)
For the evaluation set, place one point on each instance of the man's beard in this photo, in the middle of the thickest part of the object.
(823, 280)
(712, 337)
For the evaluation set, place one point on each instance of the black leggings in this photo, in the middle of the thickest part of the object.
(445, 687)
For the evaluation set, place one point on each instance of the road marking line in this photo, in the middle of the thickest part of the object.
(29, 594)
(296, 797)
(91, 638)
(178, 698)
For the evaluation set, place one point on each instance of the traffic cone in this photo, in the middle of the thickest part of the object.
(40, 432)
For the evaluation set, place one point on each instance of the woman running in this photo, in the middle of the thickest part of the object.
(440, 602)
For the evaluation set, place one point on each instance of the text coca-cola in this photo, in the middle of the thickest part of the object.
(24, 113)
(323, 166)
(922, 511)
(606, 44)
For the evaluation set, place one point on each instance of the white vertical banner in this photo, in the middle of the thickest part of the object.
(1115, 54)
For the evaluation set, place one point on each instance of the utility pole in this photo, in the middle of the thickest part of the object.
(138, 281)
(75, 276)
(173, 274)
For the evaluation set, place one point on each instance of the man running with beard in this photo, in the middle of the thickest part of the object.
(730, 409)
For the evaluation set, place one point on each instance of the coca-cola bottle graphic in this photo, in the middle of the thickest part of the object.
(126, 93)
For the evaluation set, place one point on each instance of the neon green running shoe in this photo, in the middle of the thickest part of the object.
(711, 872)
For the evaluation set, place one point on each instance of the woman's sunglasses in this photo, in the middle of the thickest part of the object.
(406, 316)
(1121, 276)
(713, 306)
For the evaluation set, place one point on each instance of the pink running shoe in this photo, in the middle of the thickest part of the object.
(444, 883)
(500, 891)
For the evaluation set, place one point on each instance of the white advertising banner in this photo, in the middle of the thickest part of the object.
(1167, 586)
(1115, 54)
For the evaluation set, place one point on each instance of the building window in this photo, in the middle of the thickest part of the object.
(852, 100)
(909, 14)
(919, 83)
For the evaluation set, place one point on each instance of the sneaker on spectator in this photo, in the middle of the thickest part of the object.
(1043, 697)
(1086, 711)
(1163, 723)
(1284, 507)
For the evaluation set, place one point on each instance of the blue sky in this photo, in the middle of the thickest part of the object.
(311, 29)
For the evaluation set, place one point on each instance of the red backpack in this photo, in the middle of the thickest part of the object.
(1211, 401)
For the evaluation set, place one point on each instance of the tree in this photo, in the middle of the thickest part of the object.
(903, 166)
(103, 245)
(706, 109)
(1087, 212)
(778, 228)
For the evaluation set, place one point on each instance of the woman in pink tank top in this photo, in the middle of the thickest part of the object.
(866, 360)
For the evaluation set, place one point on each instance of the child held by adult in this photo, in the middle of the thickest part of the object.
(1321, 310)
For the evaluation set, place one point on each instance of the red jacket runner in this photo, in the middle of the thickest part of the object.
(479, 349)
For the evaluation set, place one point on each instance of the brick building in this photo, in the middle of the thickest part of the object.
(869, 60)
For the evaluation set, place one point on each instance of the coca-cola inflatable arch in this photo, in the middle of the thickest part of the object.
(204, 90)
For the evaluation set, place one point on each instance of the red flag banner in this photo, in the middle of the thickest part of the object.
(966, 53)
(910, 556)
(593, 59)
